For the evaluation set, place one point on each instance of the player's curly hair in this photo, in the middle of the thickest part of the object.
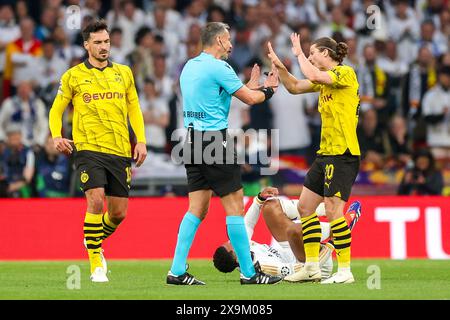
(224, 260)
(337, 51)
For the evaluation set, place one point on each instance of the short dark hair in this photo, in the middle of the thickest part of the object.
(141, 33)
(95, 26)
(224, 260)
(212, 30)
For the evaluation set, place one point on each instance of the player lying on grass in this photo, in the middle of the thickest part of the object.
(286, 254)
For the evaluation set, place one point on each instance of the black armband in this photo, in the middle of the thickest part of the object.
(268, 93)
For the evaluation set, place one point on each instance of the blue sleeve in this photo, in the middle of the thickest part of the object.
(227, 78)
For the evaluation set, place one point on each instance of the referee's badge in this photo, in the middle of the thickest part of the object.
(84, 177)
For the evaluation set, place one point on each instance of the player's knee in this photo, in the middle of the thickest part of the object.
(95, 202)
(117, 216)
(293, 231)
(332, 208)
(303, 210)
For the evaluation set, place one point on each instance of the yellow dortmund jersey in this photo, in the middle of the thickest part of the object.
(103, 99)
(339, 109)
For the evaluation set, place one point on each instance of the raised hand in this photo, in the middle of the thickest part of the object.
(268, 192)
(253, 83)
(273, 57)
(296, 47)
(272, 78)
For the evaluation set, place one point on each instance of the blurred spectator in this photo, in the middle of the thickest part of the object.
(117, 52)
(436, 110)
(432, 38)
(370, 140)
(195, 13)
(21, 10)
(302, 12)
(430, 9)
(423, 178)
(159, 23)
(172, 17)
(348, 8)
(421, 77)
(236, 14)
(18, 164)
(280, 34)
(156, 117)
(336, 23)
(9, 32)
(372, 79)
(49, 69)
(396, 70)
(352, 59)
(27, 112)
(216, 14)
(163, 83)
(397, 144)
(404, 30)
(242, 52)
(47, 24)
(129, 18)
(64, 48)
(368, 27)
(21, 58)
(256, 158)
(52, 172)
(141, 58)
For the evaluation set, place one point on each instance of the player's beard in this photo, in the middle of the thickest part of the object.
(100, 57)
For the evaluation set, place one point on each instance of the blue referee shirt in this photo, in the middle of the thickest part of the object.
(207, 84)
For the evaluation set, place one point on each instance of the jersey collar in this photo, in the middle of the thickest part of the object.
(90, 66)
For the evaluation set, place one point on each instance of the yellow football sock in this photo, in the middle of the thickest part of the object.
(93, 233)
(108, 226)
(311, 237)
(342, 241)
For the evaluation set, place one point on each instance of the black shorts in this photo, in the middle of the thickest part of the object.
(103, 170)
(213, 170)
(333, 175)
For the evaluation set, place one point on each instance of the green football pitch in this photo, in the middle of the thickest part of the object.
(145, 279)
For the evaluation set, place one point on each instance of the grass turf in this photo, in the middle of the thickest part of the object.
(145, 279)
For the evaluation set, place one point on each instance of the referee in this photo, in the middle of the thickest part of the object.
(333, 172)
(207, 84)
(104, 97)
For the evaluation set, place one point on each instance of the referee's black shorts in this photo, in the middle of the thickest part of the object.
(211, 163)
(331, 176)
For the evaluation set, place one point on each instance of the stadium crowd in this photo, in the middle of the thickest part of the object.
(399, 48)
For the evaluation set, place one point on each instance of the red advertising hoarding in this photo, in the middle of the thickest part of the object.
(390, 227)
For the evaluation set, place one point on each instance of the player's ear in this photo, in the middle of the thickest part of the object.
(86, 45)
